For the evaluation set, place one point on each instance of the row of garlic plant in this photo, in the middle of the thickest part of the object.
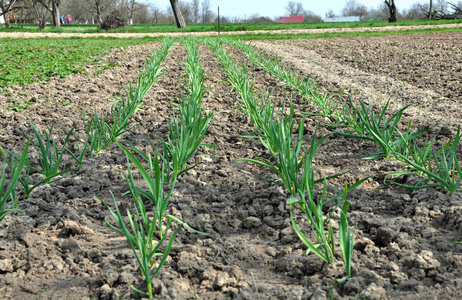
(106, 128)
(419, 156)
(328, 104)
(100, 132)
(151, 234)
(275, 129)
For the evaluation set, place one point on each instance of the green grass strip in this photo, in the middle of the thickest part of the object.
(224, 27)
(24, 61)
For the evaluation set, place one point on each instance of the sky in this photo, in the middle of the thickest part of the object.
(276, 8)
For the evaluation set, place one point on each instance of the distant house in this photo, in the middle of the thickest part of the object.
(343, 19)
(290, 19)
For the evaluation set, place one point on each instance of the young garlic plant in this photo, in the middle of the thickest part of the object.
(151, 235)
(293, 167)
(106, 128)
(16, 168)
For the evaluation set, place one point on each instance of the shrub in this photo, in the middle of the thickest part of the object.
(114, 20)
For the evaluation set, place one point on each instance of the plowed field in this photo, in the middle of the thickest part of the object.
(61, 248)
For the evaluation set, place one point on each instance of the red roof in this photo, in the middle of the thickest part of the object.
(290, 19)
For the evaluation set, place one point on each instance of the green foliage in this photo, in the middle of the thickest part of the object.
(441, 167)
(346, 240)
(6, 193)
(105, 128)
(364, 123)
(24, 61)
(275, 131)
(313, 208)
(50, 157)
(328, 104)
(147, 233)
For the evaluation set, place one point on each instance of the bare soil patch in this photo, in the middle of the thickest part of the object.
(61, 249)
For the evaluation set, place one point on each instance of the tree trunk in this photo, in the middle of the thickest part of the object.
(7, 21)
(178, 16)
(392, 9)
(98, 16)
(130, 13)
(5, 8)
(42, 23)
(55, 13)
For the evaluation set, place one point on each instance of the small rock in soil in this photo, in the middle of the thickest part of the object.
(384, 236)
(251, 222)
(373, 292)
(74, 228)
(6, 265)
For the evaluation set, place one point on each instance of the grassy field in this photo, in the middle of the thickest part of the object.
(23, 61)
(156, 28)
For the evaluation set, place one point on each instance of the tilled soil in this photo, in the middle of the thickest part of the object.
(61, 248)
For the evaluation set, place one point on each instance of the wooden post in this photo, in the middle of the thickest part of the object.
(430, 11)
(218, 20)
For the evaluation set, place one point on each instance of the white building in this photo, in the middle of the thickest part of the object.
(2, 18)
(343, 19)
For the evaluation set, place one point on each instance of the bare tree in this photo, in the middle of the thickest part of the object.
(354, 8)
(98, 7)
(7, 6)
(294, 9)
(177, 12)
(330, 14)
(195, 7)
(381, 13)
(441, 6)
(456, 7)
(186, 11)
(38, 11)
(79, 10)
(156, 13)
(392, 8)
(207, 14)
(309, 16)
(413, 13)
(53, 7)
(141, 15)
(131, 4)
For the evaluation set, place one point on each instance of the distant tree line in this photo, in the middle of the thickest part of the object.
(194, 11)
(384, 11)
(93, 11)
(417, 10)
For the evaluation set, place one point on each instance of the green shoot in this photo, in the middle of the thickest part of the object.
(367, 125)
(442, 167)
(147, 234)
(16, 169)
